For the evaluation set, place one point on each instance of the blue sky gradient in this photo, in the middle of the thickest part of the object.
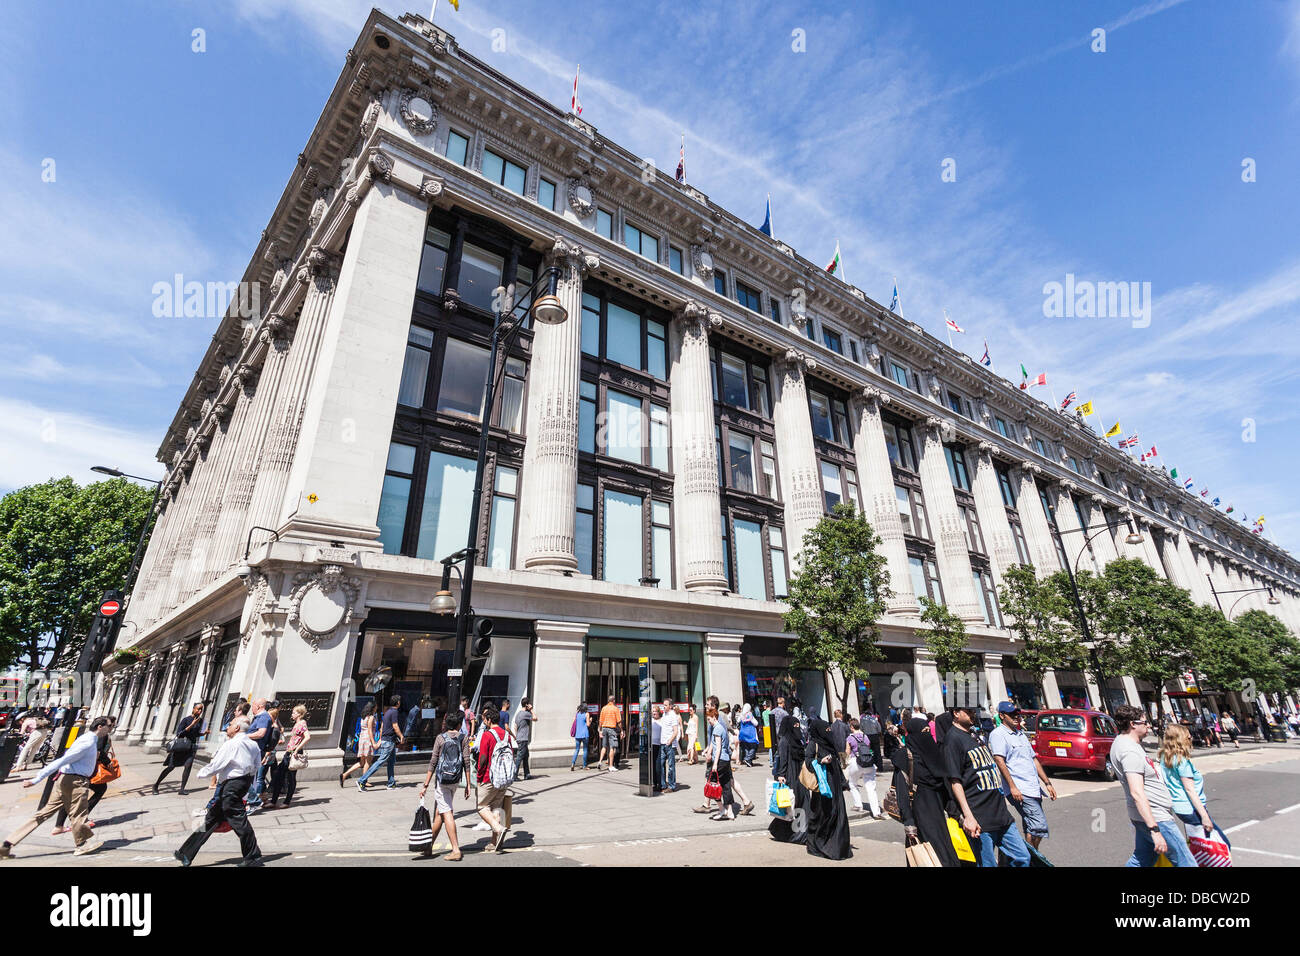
(1117, 166)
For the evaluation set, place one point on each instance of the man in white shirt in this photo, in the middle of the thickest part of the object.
(77, 765)
(670, 735)
(234, 765)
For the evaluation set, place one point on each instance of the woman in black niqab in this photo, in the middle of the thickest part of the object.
(790, 751)
(930, 796)
(828, 818)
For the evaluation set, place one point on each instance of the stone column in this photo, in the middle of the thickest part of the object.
(1192, 573)
(209, 636)
(162, 729)
(1150, 554)
(1104, 544)
(722, 665)
(558, 685)
(946, 525)
(1093, 691)
(550, 472)
(990, 509)
(131, 677)
(1038, 534)
(1169, 560)
(797, 454)
(1073, 534)
(877, 478)
(995, 679)
(698, 503)
(1051, 692)
(1133, 552)
(347, 418)
(140, 719)
(925, 674)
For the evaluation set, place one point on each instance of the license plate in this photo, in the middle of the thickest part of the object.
(1060, 743)
(1061, 752)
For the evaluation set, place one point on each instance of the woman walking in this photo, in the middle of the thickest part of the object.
(790, 753)
(581, 735)
(1229, 724)
(367, 740)
(922, 765)
(286, 776)
(828, 820)
(1186, 786)
(748, 736)
(183, 747)
(719, 761)
(451, 742)
(693, 736)
(861, 768)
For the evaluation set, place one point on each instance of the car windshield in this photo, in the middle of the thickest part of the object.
(1062, 723)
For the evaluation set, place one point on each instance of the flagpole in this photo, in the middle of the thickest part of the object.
(1052, 392)
(433, 11)
(771, 223)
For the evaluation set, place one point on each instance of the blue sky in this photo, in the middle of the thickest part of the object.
(1117, 166)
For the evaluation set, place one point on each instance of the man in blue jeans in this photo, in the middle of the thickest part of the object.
(390, 736)
(260, 729)
(977, 788)
(1150, 807)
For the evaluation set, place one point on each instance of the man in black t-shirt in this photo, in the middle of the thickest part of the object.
(976, 786)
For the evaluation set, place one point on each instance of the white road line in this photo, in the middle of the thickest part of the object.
(1294, 806)
(1241, 826)
(1246, 849)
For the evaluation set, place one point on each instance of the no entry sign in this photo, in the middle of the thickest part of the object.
(109, 608)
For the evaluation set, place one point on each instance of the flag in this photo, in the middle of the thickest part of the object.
(1041, 380)
(575, 105)
(1128, 442)
(1204, 492)
(1173, 473)
(951, 324)
(681, 167)
(836, 266)
(983, 361)
(1150, 454)
(1068, 401)
(1187, 485)
(455, 5)
(1085, 409)
(893, 307)
(1114, 430)
(1215, 502)
(1258, 528)
(1259, 520)
(766, 228)
(1229, 511)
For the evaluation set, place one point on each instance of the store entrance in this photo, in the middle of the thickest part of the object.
(620, 677)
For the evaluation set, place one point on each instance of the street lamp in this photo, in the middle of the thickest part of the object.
(1273, 599)
(547, 309)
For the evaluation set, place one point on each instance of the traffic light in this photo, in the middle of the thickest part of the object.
(481, 644)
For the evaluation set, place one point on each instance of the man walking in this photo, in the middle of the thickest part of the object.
(259, 730)
(869, 723)
(1150, 807)
(670, 736)
(778, 714)
(611, 730)
(524, 735)
(72, 793)
(390, 738)
(234, 767)
(976, 786)
(1023, 776)
(490, 797)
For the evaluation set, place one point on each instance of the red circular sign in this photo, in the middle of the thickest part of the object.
(109, 608)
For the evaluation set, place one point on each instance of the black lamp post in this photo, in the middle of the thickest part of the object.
(1134, 537)
(1272, 598)
(144, 530)
(546, 310)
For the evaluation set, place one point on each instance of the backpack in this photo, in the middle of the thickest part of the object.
(870, 724)
(451, 761)
(863, 755)
(502, 768)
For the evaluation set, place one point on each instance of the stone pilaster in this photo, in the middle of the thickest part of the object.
(1051, 691)
(1073, 534)
(1150, 554)
(1104, 543)
(550, 473)
(995, 679)
(162, 728)
(927, 689)
(557, 655)
(1038, 534)
(797, 454)
(946, 525)
(722, 665)
(1131, 691)
(140, 719)
(990, 509)
(877, 477)
(698, 501)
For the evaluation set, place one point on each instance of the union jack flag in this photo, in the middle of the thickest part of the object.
(1128, 442)
(1068, 401)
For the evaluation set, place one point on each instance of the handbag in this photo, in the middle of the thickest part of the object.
(297, 761)
(891, 806)
(806, 777)
(922, 855)
(959, 841)
(1210, 851)
(421, 838)
(106, 772)
(712, 788)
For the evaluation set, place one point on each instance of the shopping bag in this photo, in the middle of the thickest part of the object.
(774, 804)
(922, 855)
(1162, 860)
(712, 788)
(1210, 851)
(421, 839)
(823, 782)
(1036, 858)
(106, 772)
(784, 797)
(959, 841)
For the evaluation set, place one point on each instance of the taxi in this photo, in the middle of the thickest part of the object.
(1069, 739)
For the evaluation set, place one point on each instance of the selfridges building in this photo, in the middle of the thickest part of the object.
(654, 461)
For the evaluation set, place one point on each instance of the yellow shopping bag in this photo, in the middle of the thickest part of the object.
(959, 841)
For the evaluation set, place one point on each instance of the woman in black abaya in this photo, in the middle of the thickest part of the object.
(925, 810)
(828, 818)
(790, 751)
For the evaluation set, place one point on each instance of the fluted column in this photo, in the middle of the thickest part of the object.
(877, 477)
(1150, 554)
(1200, 587)
(800, 478)
(1038, 534)
(550, 473)
(946, 525)
(1133, 552)
(990, 509)
(695, 455)
(162, 726)
(1051, 690)
(1104, 543)
(927, 689)
(995, 679)
(140, 718)
(1073, 534)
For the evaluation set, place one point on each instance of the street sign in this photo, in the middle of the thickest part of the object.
(454, 672)
(109, 608)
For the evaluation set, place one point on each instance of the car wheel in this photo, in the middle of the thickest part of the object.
(1109, 773)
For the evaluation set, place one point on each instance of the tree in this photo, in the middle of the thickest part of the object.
(1146, 620)
(838, 597)
(1229, 655)
(1044, 620)
(946, 640)
(1281, 649)
(61, 546)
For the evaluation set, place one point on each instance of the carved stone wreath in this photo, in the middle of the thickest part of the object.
(702, 261)
(321, 601)
(419, 111)
(581, 200)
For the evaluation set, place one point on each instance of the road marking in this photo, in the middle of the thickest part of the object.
(1294, 806)
(364, 855)
(1246, 849)
(1241, 826)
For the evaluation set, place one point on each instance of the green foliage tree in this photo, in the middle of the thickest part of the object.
(61, 546)
(1278, 646)
(838, 597)
(1042, 616)
(1228, 656)
(946, 640)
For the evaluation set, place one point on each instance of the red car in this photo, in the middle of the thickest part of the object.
(1074, 740)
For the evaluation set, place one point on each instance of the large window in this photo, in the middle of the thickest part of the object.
(675, 260)
(839, 484)
(1005, 486)
(457, 147)
(585, 527)
(911, 510)
(501, 536)
(628, 521)
(635, 430)
(481, 274)
(983, 581)
(832, 340)
(925, 578)
(546, 193)
(970, 526)
(741, 382)
(1018, 536)
(830, 418)
(503, 172)
(957, 470)
(754, 555)
(395, 498)
(415, 369)
(748, 297)
(1001, 425)
(604, 224)
(464, 366)
(433, 265)
(751, 579)
(719, 282)
(641, 242)
(617, 332)
(898, 442)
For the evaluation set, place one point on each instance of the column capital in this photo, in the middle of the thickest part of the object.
(1065, 484)
(560, 634)
(981, 448)
(875, 397)
(571, 258)
(796, 362)
(720, 644)
(431, 188)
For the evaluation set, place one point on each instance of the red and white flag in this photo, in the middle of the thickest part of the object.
(575, 105)
(951, 324)
(1150, 454)
(1041, 380)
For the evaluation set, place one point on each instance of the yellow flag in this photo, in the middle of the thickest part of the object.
(1085, 409)
(455, 5)
(1114, 430)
